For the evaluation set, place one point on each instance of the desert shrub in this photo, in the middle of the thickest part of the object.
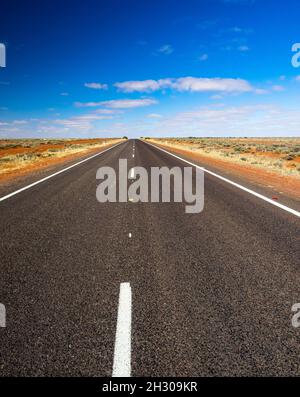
(5, 159)
(290, 157)
(295, 150)
(278, 164)
(9, 146)
(238, 149)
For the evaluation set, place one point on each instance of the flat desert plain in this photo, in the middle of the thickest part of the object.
(272, 162)
(22, 156)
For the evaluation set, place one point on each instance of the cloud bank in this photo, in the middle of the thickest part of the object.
(187, 84)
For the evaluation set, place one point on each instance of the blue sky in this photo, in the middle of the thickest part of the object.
(105, 68)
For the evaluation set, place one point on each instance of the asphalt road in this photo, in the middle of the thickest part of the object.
(211, 292)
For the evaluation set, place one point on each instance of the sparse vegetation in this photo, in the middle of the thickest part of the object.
(21, 154)
(281, 155)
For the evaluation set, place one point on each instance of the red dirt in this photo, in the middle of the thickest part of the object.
(41, 147)
(288, 185)
(47, 162)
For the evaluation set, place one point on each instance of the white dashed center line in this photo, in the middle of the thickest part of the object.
(122, 352)
(131, 174)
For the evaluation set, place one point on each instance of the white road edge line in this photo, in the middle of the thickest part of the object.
(56, 173)
(122, 352)
(262, 197)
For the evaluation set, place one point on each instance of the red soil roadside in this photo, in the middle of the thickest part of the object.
(48, 162)
(288, 185)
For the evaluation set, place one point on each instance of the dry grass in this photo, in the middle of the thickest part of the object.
(21, 154)
(279, 155)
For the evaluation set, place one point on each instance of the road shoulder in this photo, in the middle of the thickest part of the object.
(269, 184)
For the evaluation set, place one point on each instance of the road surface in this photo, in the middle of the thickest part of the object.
(146, 288)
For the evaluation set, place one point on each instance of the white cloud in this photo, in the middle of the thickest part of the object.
(243, 48)
(216, 97)
(213, 120)
(77, 124)
(64, 94)
(119, 103)
(154, 116)
(203, 57)
(20, 122)
(277, 88)
(237, 29)
(191, 84)
(297, 78)
(107, 111)
(194, 84)
(87, 104)
(129, 103)
(138, 86)
(92, 117)
(96, 86)
(83, 125)
(261, 91)
(244, 120)
(166, 49)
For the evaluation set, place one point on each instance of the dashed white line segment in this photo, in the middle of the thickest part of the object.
(122, 352)
(131, 174)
